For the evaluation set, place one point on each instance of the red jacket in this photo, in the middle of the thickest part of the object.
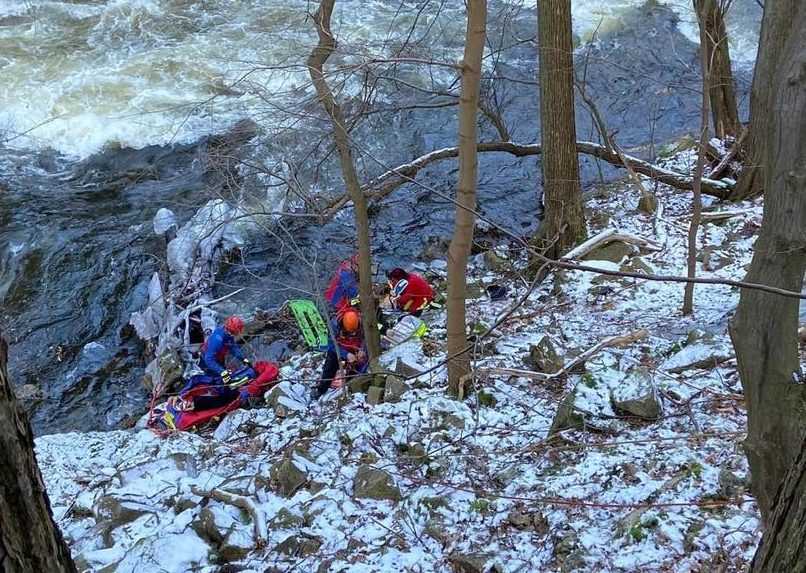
(416, 295)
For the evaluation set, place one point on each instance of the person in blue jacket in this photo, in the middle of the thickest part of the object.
(220, 344)
(352, 355)
(343, 287)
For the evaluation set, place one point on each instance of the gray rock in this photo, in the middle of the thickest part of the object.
(643, 403)
(472, 563)
(614, 251)
(359, 383)
(299, 546)
(29, 392)
(493, 261)
(702, 354)
(287, 477)
(405, 370)
(273, 398)
(286, 519)
(371, 483)
(729, 484)
(566, 417)
(395, 388)
(172, 369)
(568, 553)
(207, 527)
(436, 530)
(236, 545)
(545, 357)
(648, 203)
(375, 395)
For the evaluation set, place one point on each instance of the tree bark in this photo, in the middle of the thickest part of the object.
(716, 57)
(562, 198)
(316, 61)
(781, 547)
(29, 538)
(704, 9)
(764, 330)
(776, 27)
(459, 250)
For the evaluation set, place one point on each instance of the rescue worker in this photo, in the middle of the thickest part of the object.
(343, 287)
(346, 345)
(219, 345)
(410, 293)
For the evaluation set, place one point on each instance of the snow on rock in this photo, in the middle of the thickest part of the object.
(473, 484)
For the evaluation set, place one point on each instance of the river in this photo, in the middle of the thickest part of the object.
(112, 109)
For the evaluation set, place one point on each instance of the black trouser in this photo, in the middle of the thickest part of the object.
(329, 371)
(210, 402)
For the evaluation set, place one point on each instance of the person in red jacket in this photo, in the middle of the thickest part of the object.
(410, 293)
(343, 287)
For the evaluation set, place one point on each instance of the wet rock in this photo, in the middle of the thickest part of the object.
(371, 483)
(544, 356)
(395, 388)
(287, 477)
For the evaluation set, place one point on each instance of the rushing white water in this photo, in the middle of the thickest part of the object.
(82, 75)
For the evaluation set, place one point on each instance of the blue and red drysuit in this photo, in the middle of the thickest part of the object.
(215, 350)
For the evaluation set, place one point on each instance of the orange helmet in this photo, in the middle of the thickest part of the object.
(351, 321)
(234, 325)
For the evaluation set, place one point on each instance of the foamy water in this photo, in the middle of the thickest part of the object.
(81, 76)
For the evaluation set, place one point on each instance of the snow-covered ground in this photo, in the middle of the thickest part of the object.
(428, 483)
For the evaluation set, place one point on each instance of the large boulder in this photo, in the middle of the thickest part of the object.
(371, 483)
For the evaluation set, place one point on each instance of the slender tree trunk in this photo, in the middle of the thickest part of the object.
(316, 61)
(781, 547)
(29, 538)
(764, 330)
(562, 198)
(776, 27)
(459, 250)
(704, 7)
(714, 44)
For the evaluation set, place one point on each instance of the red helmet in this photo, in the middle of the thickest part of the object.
(234, 325)
(396, 274)
(351, 321)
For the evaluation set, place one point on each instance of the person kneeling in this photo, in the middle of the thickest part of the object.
(346, 336)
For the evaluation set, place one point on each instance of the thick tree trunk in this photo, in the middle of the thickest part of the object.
(716, 54)
(764, 330)
(776, 27)
(316, 61)
(29, 538)
(459, 250)
(562, 198)
(781, 546)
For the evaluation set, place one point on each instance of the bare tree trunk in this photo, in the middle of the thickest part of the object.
(29, 538)
(781, 547)
(764, 330)
(459, 250)
(714, 44)
(776, 27)
(562, 198)
(316, 61)
(704, 7)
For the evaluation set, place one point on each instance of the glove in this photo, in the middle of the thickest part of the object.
(247, 362)
(351, 358)
(226, 376)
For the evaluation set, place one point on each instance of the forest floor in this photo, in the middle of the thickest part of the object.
(644, 469)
